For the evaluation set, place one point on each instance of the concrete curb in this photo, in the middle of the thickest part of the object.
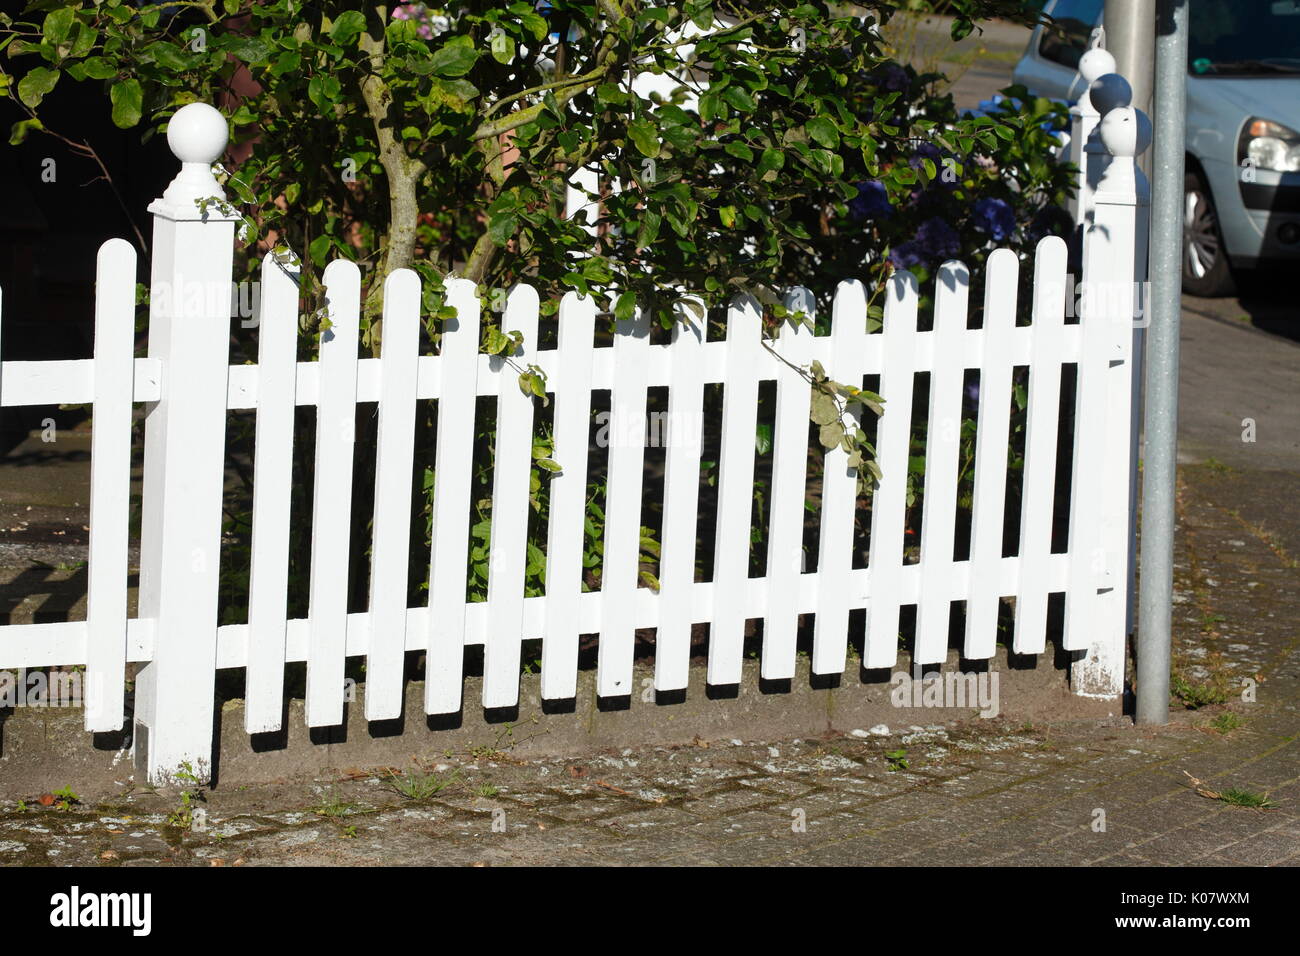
(45, 749)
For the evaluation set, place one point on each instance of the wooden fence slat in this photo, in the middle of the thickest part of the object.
(512, 462)
(942, 445)
(571, 430)
(992, 440)
(449, 550)
(1041, 428)
(332, 498)
(1087, 557)
(681, 498)
(399, 346)
(889, 503)
(735, 490)
(268, 576)
(839, 491)
(110, 487)
(786, 500)
(620, 569)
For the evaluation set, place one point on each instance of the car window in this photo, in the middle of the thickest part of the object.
(1244, 38)
(1065, 42)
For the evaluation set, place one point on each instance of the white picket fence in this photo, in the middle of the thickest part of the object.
(188, 386)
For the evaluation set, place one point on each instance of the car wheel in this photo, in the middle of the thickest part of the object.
(1205, 261)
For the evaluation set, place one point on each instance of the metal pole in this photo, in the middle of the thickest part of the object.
(1155, 597)
(1130, 37)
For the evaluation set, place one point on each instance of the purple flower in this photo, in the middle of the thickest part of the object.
(893, 78)
(935, 241)
(907, 255)
(872, 202)
(995, 217)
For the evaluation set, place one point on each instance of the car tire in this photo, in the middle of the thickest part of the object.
(1205, 261)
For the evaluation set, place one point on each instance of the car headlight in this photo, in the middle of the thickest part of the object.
(1269, 145)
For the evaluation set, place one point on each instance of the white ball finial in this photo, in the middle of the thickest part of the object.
(1125, 131)
(1109, 92)
(197, 133)
(1095, 63)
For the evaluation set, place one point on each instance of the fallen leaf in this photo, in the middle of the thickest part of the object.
(1199, 787)
(46, 799)
(577, 771)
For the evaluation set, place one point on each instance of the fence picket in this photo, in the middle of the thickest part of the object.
(839, 491)
(332, 498)
(399, 346)
(568, 496)
(992, 439)
(942, 444)
(889, 503)
(620, 569)
(1087, 558)
(786, 500)
(512, 461)
(110, 487)
(268, 576)
(681, 499)
(1041, 428)
(735, 491)
(453, 464)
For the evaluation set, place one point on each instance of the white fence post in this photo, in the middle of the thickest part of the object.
(1096, 613)
(189, 333)
(1094, 63)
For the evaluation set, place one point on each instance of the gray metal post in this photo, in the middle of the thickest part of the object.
(1155, 596)
(1130, 37)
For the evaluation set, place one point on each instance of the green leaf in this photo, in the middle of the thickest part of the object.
(249, 49)
(763, 439)
(501, 227)
(740, 151)
(57, 24)
(97, 68)
(831, 434)
(769, 163)
(347, 27)
(38, 81)
(456, 57)
(168, 56)
(625, 307)
(824, 408)
(502, 47)
(823, 132)
(20, 130)
(739, 97)
(645, 137)
(128, 101)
